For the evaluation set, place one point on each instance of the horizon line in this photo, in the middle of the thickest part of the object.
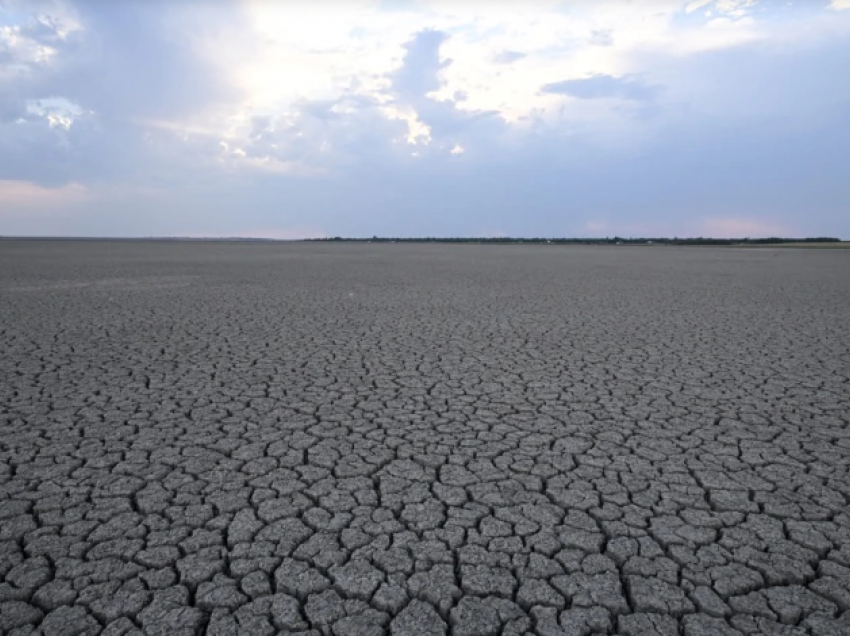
(441, 239)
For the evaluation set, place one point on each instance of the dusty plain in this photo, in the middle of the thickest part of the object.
(365, 439)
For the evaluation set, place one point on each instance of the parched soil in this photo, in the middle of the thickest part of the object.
(338, 439)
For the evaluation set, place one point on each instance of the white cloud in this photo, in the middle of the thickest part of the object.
(840, 5)
(336, 48)
(58, 111)
(280, 57)
(32, 33)
(696, 5)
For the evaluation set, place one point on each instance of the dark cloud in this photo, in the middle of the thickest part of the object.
(328, 134)
(129, 60)
(44, 29)
(419, 72)
(31, 75)
(419, 75)
(136, 65)
(605, 87)
(128, 66)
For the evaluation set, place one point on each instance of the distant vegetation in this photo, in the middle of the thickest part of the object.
(589, 241)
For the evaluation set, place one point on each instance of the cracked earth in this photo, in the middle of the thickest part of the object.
(357, 440)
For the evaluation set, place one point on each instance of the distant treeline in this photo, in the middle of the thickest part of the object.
(616, 240)
(589, 241)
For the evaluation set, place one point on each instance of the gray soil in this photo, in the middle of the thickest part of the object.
(423, 439)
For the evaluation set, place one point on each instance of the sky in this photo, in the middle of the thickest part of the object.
(293, 119)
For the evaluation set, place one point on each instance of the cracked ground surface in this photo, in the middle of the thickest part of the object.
(414, 440)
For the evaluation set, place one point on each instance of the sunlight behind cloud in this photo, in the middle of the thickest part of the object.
(336, 48)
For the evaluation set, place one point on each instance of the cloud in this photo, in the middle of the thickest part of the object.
(324, 136)
(139, 61)
(695, 5)
(840, 5)
(414, 85)
(601, 37)
(604, 87)
(419, 73)
(94, 78)
(735, 8)
(508, 57)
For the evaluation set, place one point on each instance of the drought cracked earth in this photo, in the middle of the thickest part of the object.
(419, 440)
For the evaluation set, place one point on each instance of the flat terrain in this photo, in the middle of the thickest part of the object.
(229, 438)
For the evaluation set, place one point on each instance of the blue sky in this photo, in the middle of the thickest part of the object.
(291, 119)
